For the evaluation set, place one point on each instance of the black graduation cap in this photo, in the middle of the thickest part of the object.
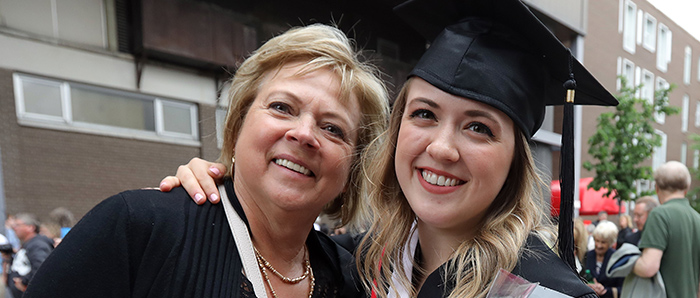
(499, 53)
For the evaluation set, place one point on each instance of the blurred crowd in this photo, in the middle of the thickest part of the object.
(25, 243)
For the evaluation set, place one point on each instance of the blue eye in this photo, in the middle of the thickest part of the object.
(480, 128)
(422, 114)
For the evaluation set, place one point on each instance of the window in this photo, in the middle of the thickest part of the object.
(686, 65)
(647, 89)
(76, 21)
(659, 157)
(630, 26)
(663, 48)
(697, 114)
(661, 84)
(628, 72)
(46, 102)
(220, 121)
(684, 152)
(696, 159)
(686, 107)
(649, 32)
(698, 69)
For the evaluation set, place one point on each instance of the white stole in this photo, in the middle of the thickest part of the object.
(409, 252)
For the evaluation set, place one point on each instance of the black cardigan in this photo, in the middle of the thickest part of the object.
(145, 243)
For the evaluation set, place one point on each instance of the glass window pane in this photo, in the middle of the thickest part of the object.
(112, 109)
(42, 98)
(177, 118)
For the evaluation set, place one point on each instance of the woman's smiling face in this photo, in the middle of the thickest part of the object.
(452, 156)
(294, 150)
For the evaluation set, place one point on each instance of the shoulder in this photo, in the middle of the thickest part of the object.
(538, 263)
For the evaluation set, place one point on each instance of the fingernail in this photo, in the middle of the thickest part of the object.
(162, 184)
(198, 197)
(215, 171)
(213, 197)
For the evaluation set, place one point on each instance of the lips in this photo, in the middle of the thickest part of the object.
(293, 166)
(440, 180)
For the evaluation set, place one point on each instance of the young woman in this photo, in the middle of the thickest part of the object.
(454, 191)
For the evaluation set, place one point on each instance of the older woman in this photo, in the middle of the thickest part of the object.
(596, 260)
(301, 109)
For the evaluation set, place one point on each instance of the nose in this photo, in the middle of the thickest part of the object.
(304, 132)
(442, 147)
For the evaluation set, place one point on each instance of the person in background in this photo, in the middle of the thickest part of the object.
(580, 243)
(602, 215)
(605, 234)
(35, 249)
(642, 207)
(63, 218)
(10, 232)
(670, 243)
(626, 228)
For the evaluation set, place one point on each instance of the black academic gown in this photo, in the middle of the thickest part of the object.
(537, 264)
(144, 243)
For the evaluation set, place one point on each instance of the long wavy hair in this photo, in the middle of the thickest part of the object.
(318, 47)
(501, 236)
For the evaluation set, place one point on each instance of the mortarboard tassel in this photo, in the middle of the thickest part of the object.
(566, 173)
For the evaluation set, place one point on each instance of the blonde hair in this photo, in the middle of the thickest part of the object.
(317, 47)
(630, 223)
(500, 239)
(580, 239)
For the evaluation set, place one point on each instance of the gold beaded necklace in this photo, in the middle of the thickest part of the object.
(265, 265)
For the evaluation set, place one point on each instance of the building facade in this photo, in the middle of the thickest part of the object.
(101, 96)
(633, 39)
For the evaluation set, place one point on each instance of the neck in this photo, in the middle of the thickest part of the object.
(437, 246)
(665, 196)
(277, 234)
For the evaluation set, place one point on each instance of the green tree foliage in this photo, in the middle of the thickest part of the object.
(694, 195)
(624, 139)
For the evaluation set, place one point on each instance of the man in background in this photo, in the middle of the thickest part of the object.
(670, 243)
(642, 207)
(35, 249)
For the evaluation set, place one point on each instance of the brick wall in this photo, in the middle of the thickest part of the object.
(44, 169)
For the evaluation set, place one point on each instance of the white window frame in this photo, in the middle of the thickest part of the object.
(649, 39)
(660, 84)
(659, 157)
(684, 153)
(160, 118)
(647, 86)
(629, 35)
(65, 122)
(685, 112)
(687, 62)
(664, 47)
(220, 118)
(697, 113)
(627, 70)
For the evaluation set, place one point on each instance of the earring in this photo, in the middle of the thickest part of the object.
(233, 162)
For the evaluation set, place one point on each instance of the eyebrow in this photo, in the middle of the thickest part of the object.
(328, 113)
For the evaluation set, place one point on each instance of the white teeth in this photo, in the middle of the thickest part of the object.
(439, 180)
(293, 166)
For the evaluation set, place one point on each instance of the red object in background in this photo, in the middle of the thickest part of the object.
(592, 201)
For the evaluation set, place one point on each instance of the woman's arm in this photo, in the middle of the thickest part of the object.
(198, 177)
